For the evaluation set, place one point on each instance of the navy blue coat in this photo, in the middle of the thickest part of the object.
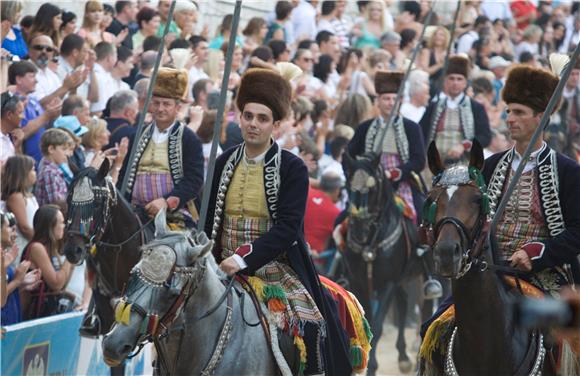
(287, 235)
(480, 120)
(564, 247)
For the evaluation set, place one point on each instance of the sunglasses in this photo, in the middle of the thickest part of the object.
(39, 47)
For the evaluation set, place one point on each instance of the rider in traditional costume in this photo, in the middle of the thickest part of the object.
(453, 119)
(255, 217)
(540, 228)
(168, 165)
(403, 153)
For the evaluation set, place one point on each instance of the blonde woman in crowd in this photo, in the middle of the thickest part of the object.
(91, 28)
(368, 32)
(432, 57)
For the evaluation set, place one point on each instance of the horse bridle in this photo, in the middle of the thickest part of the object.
(473, 241)
(154, 329)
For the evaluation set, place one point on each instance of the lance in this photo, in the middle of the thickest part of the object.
(379, 146)
(543, 124)
(143, 113)
(220, 112)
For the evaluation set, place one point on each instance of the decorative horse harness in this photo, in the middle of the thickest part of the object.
(429, 232)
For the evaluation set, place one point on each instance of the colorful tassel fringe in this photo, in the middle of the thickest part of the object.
(299, 342)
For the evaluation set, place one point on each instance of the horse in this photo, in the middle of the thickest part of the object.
(380, 249)
(167, 300)
(103, 230)
(485, 339)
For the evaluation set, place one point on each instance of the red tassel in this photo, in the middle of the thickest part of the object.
(152, 325)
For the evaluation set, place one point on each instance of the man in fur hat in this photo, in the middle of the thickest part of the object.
(255, 217)
(540, 228)
(453, 119)
(402, 153)
(168, 167)
(565, 127)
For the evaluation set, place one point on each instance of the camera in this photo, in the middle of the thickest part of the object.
(11, 58)
(545, 313)
(10, 218)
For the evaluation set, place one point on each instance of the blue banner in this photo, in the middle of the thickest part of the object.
(52, 346)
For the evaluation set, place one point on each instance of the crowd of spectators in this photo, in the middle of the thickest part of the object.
(74, 86)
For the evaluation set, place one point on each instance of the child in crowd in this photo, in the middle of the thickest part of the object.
(18, 178)
(53, 171)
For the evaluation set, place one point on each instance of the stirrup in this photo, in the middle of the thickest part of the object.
(91, 326)
(421, 250)
(432, 289)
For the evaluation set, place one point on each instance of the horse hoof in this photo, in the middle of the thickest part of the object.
(405, 366)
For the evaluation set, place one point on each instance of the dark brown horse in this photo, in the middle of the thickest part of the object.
(381, 250)
(102, 230)
(485, 339)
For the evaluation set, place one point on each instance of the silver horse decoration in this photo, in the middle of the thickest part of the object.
(178, 299)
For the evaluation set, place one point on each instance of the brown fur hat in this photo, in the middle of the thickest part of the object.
(532, 87)
(388, 81)
(577, 64)
(458, 65)
(171, 83)
(267, 87)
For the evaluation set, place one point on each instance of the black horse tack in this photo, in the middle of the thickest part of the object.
(381, 249)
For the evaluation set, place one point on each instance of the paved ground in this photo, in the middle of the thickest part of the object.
(387, 352)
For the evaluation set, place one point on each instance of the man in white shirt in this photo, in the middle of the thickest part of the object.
(465, 42)
(75, 54)
(121, 70)
(106, 60)
(327, 14)
(49, 85)
(342, 24)
(303, 20)
(200, 48)
(496, 9)
(12, 114)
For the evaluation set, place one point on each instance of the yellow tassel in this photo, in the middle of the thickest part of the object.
(93, 250)
(258, 286)
(299, 342)
(126, 316)
(119, 311)
(434, 333)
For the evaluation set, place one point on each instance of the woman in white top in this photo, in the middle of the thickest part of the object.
(18, 178)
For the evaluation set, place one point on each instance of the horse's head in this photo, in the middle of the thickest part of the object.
(90, 199)
(455, 213)
(170, 269)
(369, 192)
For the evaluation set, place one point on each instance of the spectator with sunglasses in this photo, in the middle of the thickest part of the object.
(49, 85)
(11, 136)
(22, 74)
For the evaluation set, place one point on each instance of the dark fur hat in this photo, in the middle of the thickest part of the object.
(532, 87)
(171, 83)
(577, 64)
(388, 81)
(458, 65)
(266, 87)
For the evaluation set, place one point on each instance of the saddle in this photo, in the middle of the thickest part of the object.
(438, 334)
(351, 316)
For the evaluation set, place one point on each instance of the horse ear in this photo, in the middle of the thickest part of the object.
(375, 158)
(104, 169)
(476, 159)
(434, 159)
(200, 246)
(160, 223)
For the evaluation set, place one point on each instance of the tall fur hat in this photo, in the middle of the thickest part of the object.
(532, 87)
(267, 87)
(458, 64)
(387, 82)
(171, 83)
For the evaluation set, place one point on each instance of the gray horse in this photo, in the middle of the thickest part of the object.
(176, 297)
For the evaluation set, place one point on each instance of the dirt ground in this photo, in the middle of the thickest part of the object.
(387, 352)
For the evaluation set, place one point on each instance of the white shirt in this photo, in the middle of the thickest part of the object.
(6, 147)
(303, 21)
(532, 160)
(411, 112)
(325, 25)
(195, 74)
(159, 136)
(65, 69)
(119, 85)
(466, 41)
(452, 103)
(105, 81)
(47, 82)
(495, 9)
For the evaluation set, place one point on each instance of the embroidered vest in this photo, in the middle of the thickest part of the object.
(465, 118)
(373, 135)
